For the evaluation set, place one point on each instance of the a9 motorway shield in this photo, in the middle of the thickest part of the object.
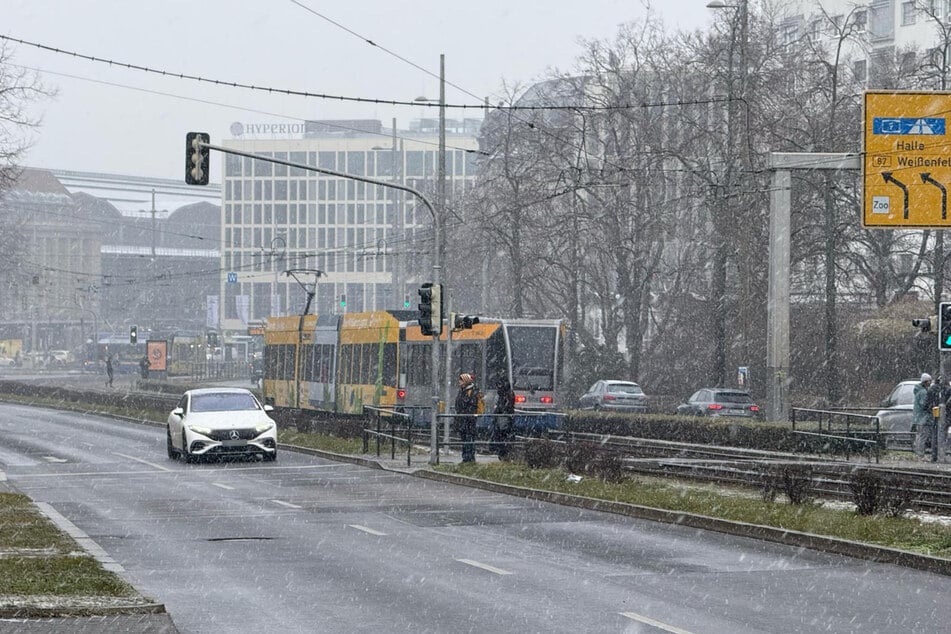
(907, 166)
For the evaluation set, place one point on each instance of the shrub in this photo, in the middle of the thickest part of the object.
(875, 493)
(581, 457)
(610, 466)
(794, 480)
(543, 454)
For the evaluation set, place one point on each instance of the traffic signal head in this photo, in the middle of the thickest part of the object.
(924, 325)
(212, 338)
(463, 322)
(406, 303)
(133, 334)
(343, 301)
(944, 326)
(430, 309)
(196, 158)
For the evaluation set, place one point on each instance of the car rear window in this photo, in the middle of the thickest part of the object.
(733, 397)
(223, 402)
(625, 388)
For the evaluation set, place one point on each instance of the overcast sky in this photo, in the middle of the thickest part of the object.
(110, 119)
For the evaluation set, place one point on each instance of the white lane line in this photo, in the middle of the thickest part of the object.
(366, 529)
(23, 476)
(151, 464)
(222, 486)
(287, 504)
(3, 476)
(54, 459)
(85, 541)
(483, 566)
(649, 621)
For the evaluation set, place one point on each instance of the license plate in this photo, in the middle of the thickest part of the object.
(234, 443)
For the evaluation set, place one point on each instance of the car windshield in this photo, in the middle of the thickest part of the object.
(903, 394)
(625, 388)
(733, 397)
(223, 402)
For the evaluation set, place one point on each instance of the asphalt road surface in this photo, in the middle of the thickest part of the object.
(310, 545)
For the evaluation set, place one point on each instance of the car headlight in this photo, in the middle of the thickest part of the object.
(199, 429)
(263, 427)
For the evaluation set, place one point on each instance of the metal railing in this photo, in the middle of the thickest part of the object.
(853, 432)
(398, 422)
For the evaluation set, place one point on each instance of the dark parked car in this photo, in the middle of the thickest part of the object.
(715, 401)
(615, 396)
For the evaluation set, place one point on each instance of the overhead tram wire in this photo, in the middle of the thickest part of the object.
(385, 135)
(290, 92)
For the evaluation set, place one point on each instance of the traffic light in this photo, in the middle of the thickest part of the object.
(343, 301)
(196, 158)
(406, 303)
(430, 309)
(944, 326)
(924, 324)
(212, 338)
(133, 334)
(463, 322)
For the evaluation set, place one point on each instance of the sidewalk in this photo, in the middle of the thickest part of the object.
(418, 457)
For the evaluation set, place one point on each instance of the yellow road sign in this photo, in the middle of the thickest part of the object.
(906, 169)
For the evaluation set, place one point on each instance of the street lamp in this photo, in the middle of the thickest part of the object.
(437, 247)
(718, 286)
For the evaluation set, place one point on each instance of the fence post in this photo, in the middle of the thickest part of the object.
(409, 441)
(392, 437)
(378, 432)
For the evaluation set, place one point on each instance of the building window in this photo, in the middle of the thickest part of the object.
(860, 19)
(860, 70)
(908, 13)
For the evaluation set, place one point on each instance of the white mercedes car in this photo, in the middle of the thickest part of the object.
(221, 422)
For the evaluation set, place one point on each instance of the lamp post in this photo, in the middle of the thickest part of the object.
(437, 248)
(721, 255)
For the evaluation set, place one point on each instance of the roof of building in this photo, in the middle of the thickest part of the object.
(132, 195)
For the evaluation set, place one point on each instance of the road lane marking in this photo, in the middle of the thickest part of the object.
(287, 504)
(54, 459)
(483, 566)
(85, 541)
(366, 529)
(649, 621)
(3, 476)
(151, 464)
(222, 486)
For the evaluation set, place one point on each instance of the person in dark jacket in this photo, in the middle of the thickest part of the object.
(467, 403)
(109, 371)
(502, 426)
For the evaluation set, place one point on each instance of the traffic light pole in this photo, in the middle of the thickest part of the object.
(197, 143)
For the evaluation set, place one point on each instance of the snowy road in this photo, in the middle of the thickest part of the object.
(306, 544)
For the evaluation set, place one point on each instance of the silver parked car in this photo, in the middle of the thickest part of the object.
(895, 417)
(614, 396)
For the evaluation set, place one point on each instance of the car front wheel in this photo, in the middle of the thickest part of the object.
(172, 451)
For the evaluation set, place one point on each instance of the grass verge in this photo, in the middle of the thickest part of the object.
(904, 533)
(36, 558)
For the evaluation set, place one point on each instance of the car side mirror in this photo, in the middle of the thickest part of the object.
(887, 402)
(268, 408)
(178, 411)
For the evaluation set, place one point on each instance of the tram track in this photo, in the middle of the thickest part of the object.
(929, 488)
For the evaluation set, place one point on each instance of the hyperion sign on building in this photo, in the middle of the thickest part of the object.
(907, 165)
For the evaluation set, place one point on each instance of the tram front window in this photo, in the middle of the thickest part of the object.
(533, 357)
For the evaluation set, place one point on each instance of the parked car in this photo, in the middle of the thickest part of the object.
(716, 401)
(615, 396)
(220, 422)
(897, 412)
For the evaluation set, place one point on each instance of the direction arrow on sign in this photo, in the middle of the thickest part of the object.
(907, 166)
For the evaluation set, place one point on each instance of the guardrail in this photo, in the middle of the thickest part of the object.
(845, 429)
(405, 425)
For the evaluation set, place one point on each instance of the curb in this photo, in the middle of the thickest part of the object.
(36, 612)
